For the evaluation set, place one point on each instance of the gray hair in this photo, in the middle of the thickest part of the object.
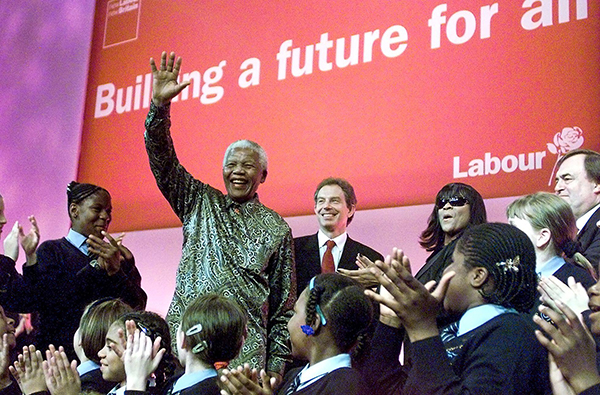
(247, 144)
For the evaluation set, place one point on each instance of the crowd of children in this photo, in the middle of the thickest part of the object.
(97, 339)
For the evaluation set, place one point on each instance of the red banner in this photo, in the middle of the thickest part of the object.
(396, 97)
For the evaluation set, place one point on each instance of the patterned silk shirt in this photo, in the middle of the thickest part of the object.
(242, 251)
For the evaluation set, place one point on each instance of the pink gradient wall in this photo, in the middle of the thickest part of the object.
(44, 55)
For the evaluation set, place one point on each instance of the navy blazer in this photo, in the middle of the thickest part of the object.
(308, 260)
(589, 238)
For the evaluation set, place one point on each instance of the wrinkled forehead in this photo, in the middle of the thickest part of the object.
(242, 155)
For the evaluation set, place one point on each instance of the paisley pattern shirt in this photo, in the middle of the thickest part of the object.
(242, 251)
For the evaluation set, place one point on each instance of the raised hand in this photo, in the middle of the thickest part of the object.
(11, 243)
(27, 371)
(30, 241)
(243, 381)
(165, 86)
(571, 346)
(362, 275)
(141, 358)
(413, 302)
(573, 295)
(61, 376)
(109, 253)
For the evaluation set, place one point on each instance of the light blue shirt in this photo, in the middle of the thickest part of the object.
(78, 240)
(310, 374)
(477, 316)
(87, 367)
(550, 267)
(189, 379)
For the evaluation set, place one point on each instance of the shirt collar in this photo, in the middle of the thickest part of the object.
(340, 240)
(189, 379)
(78, 240)
(312, 373)
(477, 316)
(550, 267)
(581, 221)
(86, 367)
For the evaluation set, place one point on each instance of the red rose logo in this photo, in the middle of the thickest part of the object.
(566, 140)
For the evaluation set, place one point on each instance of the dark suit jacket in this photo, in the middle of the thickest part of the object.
(589, 237)
(308, 260)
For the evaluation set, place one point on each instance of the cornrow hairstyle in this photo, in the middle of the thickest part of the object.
(95, 323)
(433, 236)
(508, 255)
(153, 325)
(546, 210)
(78, 192)
(346, 308)
(216, 327)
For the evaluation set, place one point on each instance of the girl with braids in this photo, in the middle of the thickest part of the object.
(155, 329)
(330, 321)
(492, 349)
(86, 265)
(549, 223)
(212, 331)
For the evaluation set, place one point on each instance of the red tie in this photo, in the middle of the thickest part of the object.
(328, 266)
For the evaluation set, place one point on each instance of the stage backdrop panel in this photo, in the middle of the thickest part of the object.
(398, 97)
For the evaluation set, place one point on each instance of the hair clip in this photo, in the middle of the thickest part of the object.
(308, 330)
(193, 330)
(317, 307)
(510, 264)
(198, 348)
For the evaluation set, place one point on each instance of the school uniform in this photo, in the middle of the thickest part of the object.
(331, 376)
(203, 382)
(495, 351)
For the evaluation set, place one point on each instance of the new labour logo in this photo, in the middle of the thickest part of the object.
(568, 139)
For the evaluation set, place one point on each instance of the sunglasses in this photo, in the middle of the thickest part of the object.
(455, 201)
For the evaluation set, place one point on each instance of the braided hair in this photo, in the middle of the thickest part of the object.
(346, 308)
(214, 328)
(508, 255)
(78, 192)
(153, 325)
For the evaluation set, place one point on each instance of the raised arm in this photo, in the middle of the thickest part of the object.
(175, 183)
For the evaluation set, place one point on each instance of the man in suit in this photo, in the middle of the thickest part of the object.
(335, 205)
(578, 182)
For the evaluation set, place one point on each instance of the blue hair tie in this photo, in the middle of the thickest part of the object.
(308, 330)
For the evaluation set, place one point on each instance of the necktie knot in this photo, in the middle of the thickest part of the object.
(328, 266)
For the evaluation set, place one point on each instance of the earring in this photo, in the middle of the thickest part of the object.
(308, 330)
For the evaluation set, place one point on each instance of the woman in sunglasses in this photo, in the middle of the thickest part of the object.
(457, 207)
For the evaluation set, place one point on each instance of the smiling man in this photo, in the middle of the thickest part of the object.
(233, 245)
(578, 182)
(330, 248)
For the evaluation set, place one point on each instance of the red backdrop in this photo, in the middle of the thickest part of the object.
(505, 79)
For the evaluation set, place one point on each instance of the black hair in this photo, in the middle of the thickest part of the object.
(347, 309)
(78, 192)
(509, 257)
(221, 328)
(346, 187)
(153, 325)
(433, 236)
